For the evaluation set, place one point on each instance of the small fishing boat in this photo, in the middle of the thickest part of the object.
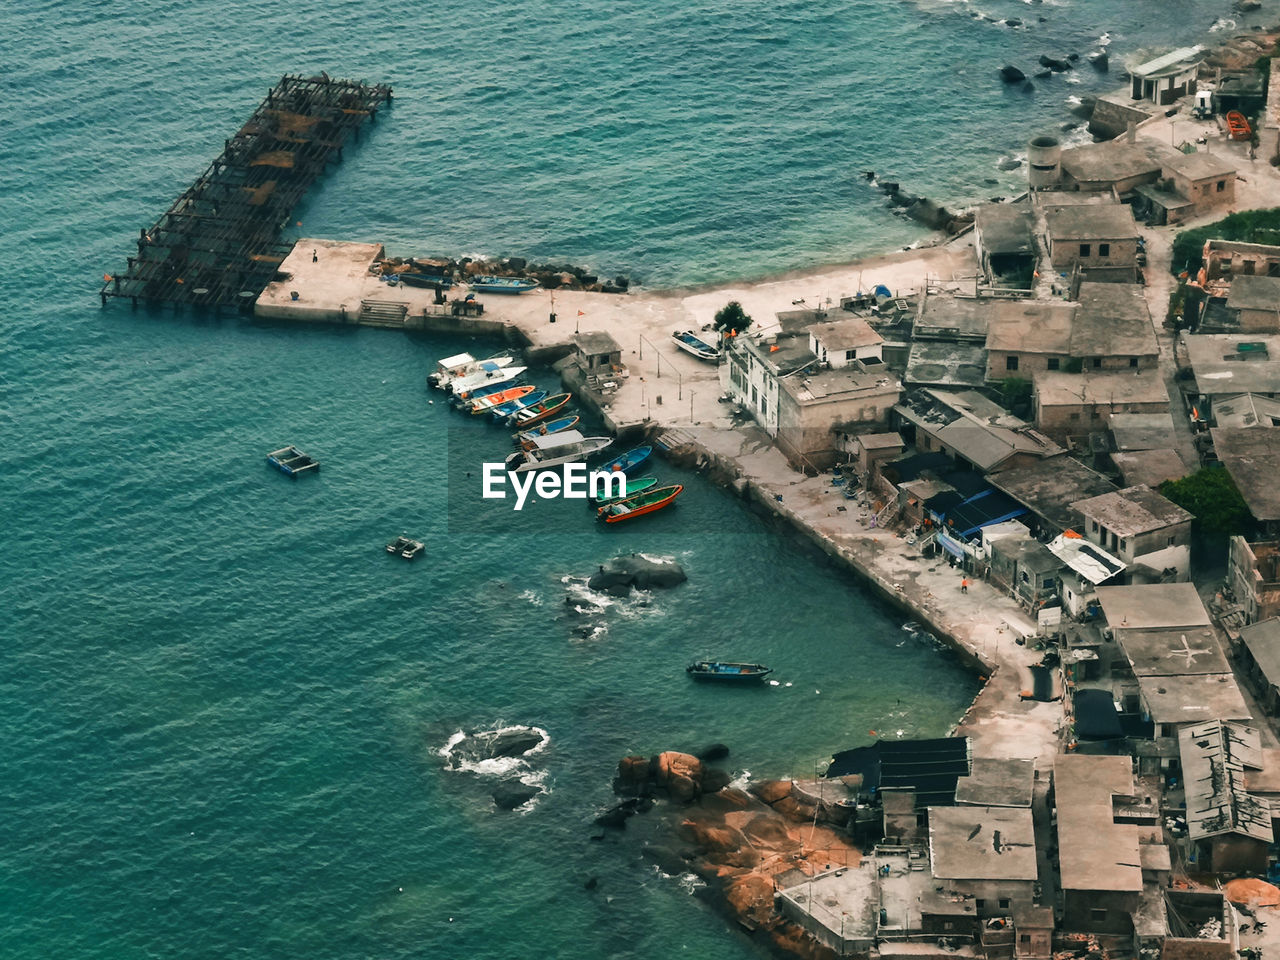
(406, 547)
(504, 410)
(567, 446)
(638, 505)
(481, 404)
(291, 462)
(629, 460)
(502, 284)
(489, 379)
(726, 671)
(426, 280)
(639, 485)
(462, 365)
(686, 341)
(525, 438)
(534, 413)
(1237, 126)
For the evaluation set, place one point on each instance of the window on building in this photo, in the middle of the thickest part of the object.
(948, 925)
(1024, 938)
(1011, 363)
(755, 400)
(1247, 266)
(1097, 363)
(1093, 526)
(1104, 249)
(1171, 539)
(1053, 363)
(1084, 250)
(980, 904)
(1124, 544)
(1098, 916)
(1094, 415)
(764, 408)
(1222, 185)
(1074, 417)
(1133, 362)
(1004, 903)
(851, 354)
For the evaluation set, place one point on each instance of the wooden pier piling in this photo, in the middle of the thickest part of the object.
(219, 244)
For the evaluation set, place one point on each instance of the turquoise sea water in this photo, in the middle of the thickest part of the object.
(221, 702)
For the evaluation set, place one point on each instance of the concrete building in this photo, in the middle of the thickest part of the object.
(1233, 258)
(1144, 445)
(871, 449)
(1113, 165)
(1246, 410)
(597, 353)
(987, 853)
(1092, 237)
(1229, 365)
(1150, 467)
(997, 783)
(1005, 241)
(806, 408)
(1112, 328)
(1027, 568)
(942, 315)
(1148, 531)
(1029, 335)
(1260, 657)
(1229, 828)
(1255, 302)
(1075, 404)
(970, 428)
(1252, 457)
(1048, 488)
(1253, 575)
(1166, 78)
(1100, 863)
(842, 342)
(1085, 566)
(946, 364)
(1207, 180)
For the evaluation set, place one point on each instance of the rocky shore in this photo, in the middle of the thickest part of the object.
(549, 276)
(741, 843)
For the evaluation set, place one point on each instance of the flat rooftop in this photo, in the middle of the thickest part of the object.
(1200, 165)
(1193, 698)
(1142, 431)
(840, 384)
(1133, 511)
(1263, 642)
(1006, 228)
(1031, 326)
(982, 843)
(845, 334)
(1254, 293)
(997, 783)
(1048, 487)
(1166, 652)
(945, 315)
(1252, 457)
(1057, 389)
(1108, 162)
(1170, 63)
(1153, 605)
(1235, 363)
(1152, 467)
(1246, 410)
(1103, 222)
(944, 364)
(1095, 852)
(1113, 321)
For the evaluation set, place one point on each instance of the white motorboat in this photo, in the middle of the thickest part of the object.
(567, 446)
(490, 377)
(462, 365)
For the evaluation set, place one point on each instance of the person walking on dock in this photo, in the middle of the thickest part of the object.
(964, 584)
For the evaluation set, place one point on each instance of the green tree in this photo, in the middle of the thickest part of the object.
(1015, 396)
(1210, 495)
(732, 317)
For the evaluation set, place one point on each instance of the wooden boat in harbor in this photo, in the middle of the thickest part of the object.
(639, 485)
(490, 401)
(406, 547)
(426, 280)
(534, 413)
(291, 462)
(567, 446)
(640, 504)
(504, 410)
(686, 341)
(525, 438)
(490, 376)
(502, 284)
(1237, 126)
(629, 460)
(462, 365)
(725, 671)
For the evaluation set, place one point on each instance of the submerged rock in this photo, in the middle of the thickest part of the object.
(1055, 64)
(1011, 74)
(492, 744)
(618, 576)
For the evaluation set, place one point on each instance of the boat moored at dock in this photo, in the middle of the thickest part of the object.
(629, 460)
(725, 671)
(291, 462)
(639, 485)
(567, 446)
(641, 503)
(482, 403)
(525, 438)
(686, 341)
(505, 410)
(540, 410)
(462, 365)
(490, 376)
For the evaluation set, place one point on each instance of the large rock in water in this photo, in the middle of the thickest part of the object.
(932, 215)
(619, 575)
(512, 793)
(1011, 74)
(491, 744)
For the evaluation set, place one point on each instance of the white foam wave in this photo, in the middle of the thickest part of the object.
(495, 766)
(1222, 23)
(741, 781)
(532, 597)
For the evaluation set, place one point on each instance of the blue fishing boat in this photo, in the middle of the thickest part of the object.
(504, 410)
(292, 462)
(724, 671)
(502, 284)
(525, 438)
(629, 460)
(686, 341)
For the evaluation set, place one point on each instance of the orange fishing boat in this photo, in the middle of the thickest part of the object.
(481, 404)
(1238, 126)
(640, 504)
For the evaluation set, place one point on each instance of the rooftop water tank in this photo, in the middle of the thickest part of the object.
(1044, 161)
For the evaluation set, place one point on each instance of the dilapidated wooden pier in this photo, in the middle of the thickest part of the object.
(219, 244)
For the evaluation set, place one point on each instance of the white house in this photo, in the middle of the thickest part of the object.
(841, 342)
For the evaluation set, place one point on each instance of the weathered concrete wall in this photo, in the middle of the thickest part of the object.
(1111, 118)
